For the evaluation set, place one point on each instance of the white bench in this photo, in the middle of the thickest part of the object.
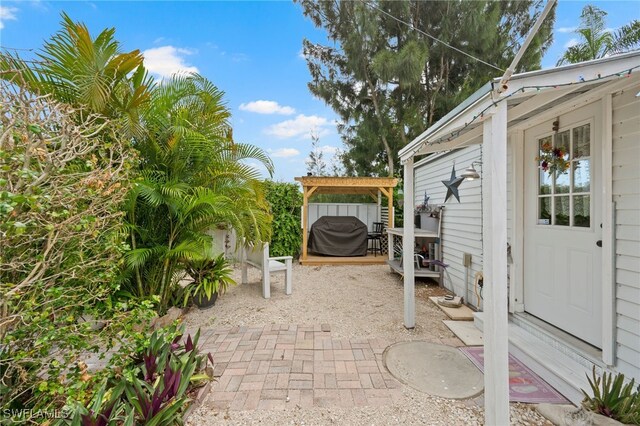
(258, 257)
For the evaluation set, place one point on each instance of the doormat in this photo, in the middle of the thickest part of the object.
(524, 384)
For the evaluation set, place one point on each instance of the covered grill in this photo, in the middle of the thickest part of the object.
(338, 236)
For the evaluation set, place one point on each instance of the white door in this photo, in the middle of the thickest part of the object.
(562, 267)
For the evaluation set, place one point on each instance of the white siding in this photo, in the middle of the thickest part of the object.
(461, 222)
(367, 213)
(626, 195)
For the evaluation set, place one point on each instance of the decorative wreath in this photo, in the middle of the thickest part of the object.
(552, 160)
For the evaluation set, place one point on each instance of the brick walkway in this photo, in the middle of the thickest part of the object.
(281, 366)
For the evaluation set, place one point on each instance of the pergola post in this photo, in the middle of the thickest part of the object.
(494, 234)
(306, 194)
(390, 217)
(305, 221)
(407, 248)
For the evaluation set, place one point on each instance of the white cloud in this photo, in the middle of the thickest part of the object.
(301, 54)
(239, 57)
(39, 5)
(566, 29)
(168, 60)
(328, 149)
(284, 152)
(267, 107)
(7, 14)
(302, 125)
(571, 43)
(258, 167)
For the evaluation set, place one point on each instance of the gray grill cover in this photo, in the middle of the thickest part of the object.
(338, 236)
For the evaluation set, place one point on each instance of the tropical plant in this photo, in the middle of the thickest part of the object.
(285, 200)
(152, 388)
(596, 41)
(613, 398)
(194, 179)
(209, 275)
(92, 73)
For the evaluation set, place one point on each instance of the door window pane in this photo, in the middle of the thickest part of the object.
(581, 176)
(562, 143)
(545, 183)
(544, 215)
(582, 211)
(582, 141)
(562, 183)
(544, 144)
(562, 210)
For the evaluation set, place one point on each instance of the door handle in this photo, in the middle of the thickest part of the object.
(599, 243)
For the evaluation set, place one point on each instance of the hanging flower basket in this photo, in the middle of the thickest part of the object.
(552, 160)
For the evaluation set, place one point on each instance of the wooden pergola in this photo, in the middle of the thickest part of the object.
(343, 185)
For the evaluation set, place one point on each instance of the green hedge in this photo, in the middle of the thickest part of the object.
(286, 202)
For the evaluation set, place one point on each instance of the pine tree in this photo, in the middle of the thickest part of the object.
(316, 166)
(389, 82)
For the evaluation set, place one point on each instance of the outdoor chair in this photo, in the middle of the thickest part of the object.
(374, 238)
(257, 255)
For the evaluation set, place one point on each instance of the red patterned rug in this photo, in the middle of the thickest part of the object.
(524, 384)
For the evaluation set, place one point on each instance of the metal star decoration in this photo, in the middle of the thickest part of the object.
(452, 185)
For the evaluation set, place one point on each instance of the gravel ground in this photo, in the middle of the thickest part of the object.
(357, 302)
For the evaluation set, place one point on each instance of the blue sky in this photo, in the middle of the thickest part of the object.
(251, 50)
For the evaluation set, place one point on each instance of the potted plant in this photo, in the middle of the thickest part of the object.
(210, 276)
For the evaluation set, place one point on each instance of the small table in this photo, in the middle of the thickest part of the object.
(395, 264)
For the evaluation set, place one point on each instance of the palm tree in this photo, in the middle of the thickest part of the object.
(598, 42)
(193, 180)
(192, 176)
(92, 74)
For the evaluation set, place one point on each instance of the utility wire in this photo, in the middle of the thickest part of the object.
(15, 48)
(430, 36)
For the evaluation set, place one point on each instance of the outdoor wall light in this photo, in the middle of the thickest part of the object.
(470, 173)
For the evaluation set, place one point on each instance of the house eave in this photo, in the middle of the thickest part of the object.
(454, 129)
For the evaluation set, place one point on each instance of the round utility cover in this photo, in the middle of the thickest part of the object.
(434, 369)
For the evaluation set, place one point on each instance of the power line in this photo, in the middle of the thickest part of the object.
(15, 48)
(430, 36)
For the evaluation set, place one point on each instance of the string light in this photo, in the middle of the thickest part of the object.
(625, 73)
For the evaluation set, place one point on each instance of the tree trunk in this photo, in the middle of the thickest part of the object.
(387, 147)
(134, 246)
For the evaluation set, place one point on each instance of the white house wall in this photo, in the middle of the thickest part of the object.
(626, 195)
(462, 222)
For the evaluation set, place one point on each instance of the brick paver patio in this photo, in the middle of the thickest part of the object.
(280, 366)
